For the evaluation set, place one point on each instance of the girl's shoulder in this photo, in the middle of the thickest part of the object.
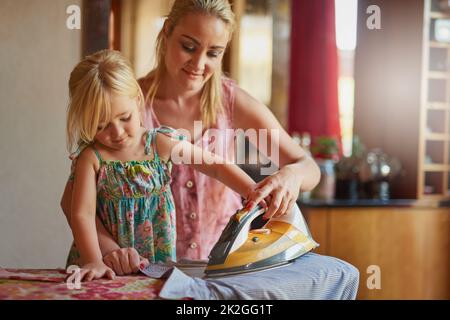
(85, 157)
(84, 151)
(161, 141)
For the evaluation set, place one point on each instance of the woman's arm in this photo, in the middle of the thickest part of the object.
(298, 171)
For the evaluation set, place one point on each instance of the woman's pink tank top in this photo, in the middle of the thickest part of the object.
(203, 204)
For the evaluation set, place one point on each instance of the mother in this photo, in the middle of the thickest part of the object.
(187, 85)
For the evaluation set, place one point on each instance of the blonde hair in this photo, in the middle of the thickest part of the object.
(211, 98)
(91, 84)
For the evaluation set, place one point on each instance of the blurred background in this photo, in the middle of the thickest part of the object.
(362, 85)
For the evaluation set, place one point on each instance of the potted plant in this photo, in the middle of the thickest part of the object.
(325, 148)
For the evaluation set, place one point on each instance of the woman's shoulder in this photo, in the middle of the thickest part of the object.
(229, 87)
(228, 82)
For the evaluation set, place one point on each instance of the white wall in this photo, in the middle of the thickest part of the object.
(37, 53)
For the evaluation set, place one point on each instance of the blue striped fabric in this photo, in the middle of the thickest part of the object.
(310, 277)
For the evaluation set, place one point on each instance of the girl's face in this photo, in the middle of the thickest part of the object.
(194, 49)
(123, 128)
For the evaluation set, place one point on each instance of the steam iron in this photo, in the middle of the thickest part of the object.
(241, 249)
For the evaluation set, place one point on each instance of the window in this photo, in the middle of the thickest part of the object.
(346, 18)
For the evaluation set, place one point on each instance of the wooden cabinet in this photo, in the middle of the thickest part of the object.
(402, 93)
(410, 246)
(434, 144)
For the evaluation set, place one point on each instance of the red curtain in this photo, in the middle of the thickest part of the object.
(313, 92)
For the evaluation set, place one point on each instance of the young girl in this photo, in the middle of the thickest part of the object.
(122, 172)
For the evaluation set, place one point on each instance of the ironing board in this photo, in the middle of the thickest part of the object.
(49, 284)
(312, 276)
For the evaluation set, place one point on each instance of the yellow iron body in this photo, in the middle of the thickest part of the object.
(240, 250)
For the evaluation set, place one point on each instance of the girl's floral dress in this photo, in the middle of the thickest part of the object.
(135, 203)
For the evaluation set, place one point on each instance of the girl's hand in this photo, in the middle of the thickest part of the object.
(96, 270)
(125, 261)
(279, 190)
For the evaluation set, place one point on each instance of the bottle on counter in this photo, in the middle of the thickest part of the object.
(305, 143)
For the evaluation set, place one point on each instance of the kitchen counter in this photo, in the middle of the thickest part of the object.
(338, 203)
(406, 242)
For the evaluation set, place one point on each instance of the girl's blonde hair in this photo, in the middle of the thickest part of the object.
(91, 84)
(211, 98)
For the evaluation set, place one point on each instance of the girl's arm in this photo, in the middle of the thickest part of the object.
(206, 162)
(298, 171)
(82, 218)
(66, 200)
(123, 261)
(105, 239)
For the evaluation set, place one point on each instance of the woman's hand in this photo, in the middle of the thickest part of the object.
(280, 191)
(125, 261)
(96, 270)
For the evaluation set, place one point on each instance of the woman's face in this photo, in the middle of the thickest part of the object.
(195, 50)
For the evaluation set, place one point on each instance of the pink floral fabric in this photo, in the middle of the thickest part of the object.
(36, 284)
(203, 204)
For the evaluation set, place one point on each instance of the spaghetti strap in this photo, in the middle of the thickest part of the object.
(147, 147)
(97, 154)
(153, 145)
(171, 132)
(150, 144)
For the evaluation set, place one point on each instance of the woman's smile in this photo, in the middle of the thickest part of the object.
(193, 75)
